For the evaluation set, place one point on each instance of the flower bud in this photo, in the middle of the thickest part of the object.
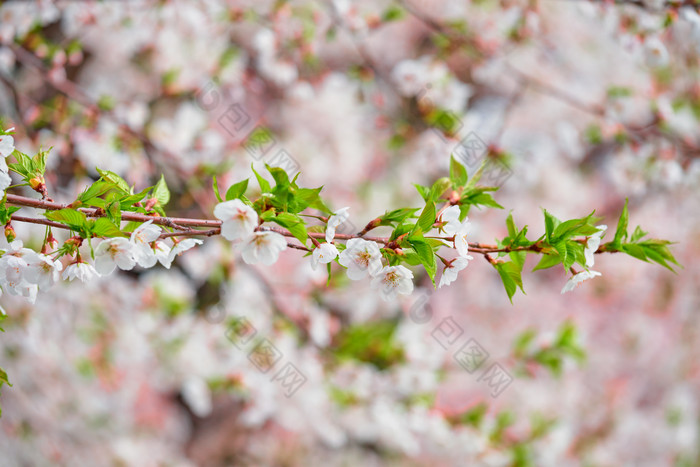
(150, 203)
(10, 234)
(37, 183)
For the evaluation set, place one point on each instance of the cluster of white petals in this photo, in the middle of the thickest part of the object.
(460, 230)
(24, 272)
(238, 223)
(449, 275)
(578, 278)
(363, 258)
(7, 146)
(592, 244)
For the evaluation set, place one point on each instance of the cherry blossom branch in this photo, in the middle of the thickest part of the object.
(181, 223)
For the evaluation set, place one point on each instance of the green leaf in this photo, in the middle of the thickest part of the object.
(264, 184)
(426, 255)
(308, 198)
(237, 190)
(216, 190)
(458, 174)
(279, 175)
(127, 202)
(510, 224)
(510, 273)
(621, 231)
(547, 261)
(427, 218)
(76, 220)
(393, 13)
(424, 191)
(477, 175)
(397, 216)
(515, 238)
(6, 213)
(518, 257)
(373, 343)
(573, 227)
(634, 250)
(550, 223)
(654, 250)
(39, 162)
(638, 234)
(3, 380)
(103, 227)
(570, 252)
(97, 189)
(439, 187)
(294, 224)
(161, 192)
(24, 165)
(523, 342)
(479, 196)
(114, 211)
(116, 181)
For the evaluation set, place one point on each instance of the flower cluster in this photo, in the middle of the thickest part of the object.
(24, 271)
(143, 249)
(7, 146)
(592, 245)
(238, 224)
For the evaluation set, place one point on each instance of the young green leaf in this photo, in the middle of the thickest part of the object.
(621, 231)
(426, 255)
(458, 174)
(427, 218)
(264, 184)
(547, 261)
(161, 192)
(216, 190)
(294, 224)
(104, 227)
(237, 190)
(76, 220)
(116, 181)
(510, 273)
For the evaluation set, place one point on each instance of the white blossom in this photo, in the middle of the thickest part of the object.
(238, 219)
(5, 180)
(578, 278)
(162, 253)
(7, 145)
(394, 280)
(449, 275)
(324, 253)
(460, 230)
(655, 53)
(80, 270)
(43, 271)
(197, 396)
(592, 245)
(340, 216)
(142, 238)
(183, 246)
(451, 218)
(13, 268)
(112, 253)
(361, 257)
(263, 247)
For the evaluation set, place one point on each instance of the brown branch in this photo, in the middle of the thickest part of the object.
(478, 248)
